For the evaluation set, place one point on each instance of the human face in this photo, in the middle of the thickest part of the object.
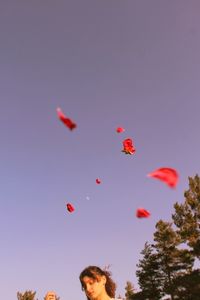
(94, 287)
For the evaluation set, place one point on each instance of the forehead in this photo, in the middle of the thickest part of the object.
(87, 279)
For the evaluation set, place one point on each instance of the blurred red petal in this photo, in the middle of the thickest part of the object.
(70, 207)
(98, 181)
(168, 175)
(120, 129)
(68, 122)
(142, 213)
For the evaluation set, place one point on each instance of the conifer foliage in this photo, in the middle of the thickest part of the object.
(149, 274)
(167, 268)
(187, 216)
(27, 295)
(130, 290)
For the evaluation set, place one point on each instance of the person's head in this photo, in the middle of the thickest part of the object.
(96, 282)
(50, 296)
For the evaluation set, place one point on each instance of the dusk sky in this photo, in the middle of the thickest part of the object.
(132, 63)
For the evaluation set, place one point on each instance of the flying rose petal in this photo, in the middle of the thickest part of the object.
(68, 122)
(128, 146)
(120, 129)
(70, 207)
(98, 181)
(142, 213)
(168, 175)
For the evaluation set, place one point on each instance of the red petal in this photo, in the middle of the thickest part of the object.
(98, 181)
(167, 175)
(120, 129)
(70, 208)
(142, 213)
(128, 146)
(68, 122)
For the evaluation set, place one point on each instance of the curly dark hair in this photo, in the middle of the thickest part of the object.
(94, 272)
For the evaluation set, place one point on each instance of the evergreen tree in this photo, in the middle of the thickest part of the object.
(149, 275)
(139, 296)
(27, 295)
(188, 286)
(187, 216)
(167, 265)
(174, 262)
(129, 290)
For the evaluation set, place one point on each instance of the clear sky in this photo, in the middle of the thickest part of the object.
(110, 63)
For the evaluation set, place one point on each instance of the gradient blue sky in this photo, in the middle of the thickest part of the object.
(110, 63)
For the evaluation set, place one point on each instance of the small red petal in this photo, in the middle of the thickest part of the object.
(70, 208)
(68, 122)
(120, 129)
(128, 146)
(98, 181)
(142, 213)
(168, 175)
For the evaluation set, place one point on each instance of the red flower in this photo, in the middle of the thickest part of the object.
(70, 208)
(142, 213)
(69, 123)
(167, 175)
(120, 129)
(98, 181)
(128, 146)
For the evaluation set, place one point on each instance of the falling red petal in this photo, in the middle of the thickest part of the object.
(120, 129)
(98, 181)
(68, 122)
(142, 213)
(128, 146)
(168, 175)
(70, 207)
